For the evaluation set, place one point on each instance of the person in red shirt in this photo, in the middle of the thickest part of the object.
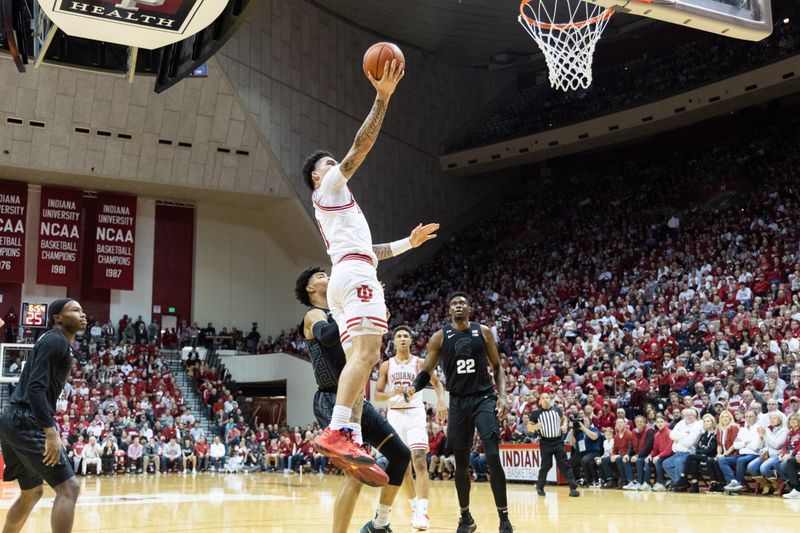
(662, 448)
(201, 450)
(623, 441)
(436, 447)
(607, 418)
(77, 449)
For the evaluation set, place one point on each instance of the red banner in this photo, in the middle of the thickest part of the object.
(59, 237)
(13, 207)
(114, 242)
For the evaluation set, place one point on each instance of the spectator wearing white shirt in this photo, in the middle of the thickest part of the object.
(217, 454)
(91, 456)
(773, 407)
(684, 437)
(172, 456)
(774, 435)
(748, 444)
(744, 296)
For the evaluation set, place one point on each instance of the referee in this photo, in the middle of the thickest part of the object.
(551, 424)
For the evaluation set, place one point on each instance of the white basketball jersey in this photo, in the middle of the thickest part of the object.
(403, 375)
(340, 220)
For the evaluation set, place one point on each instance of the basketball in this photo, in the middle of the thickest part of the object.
(378, 54)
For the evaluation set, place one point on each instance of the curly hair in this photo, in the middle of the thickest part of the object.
(310, 163)
(300, 285)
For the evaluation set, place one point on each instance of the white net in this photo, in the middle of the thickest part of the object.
(567, 32)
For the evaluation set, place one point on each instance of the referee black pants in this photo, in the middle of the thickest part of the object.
(549, 449)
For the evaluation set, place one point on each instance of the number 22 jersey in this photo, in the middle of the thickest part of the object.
(464, 361)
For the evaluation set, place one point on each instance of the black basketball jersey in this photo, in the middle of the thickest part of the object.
(327, 362)
(464, 361)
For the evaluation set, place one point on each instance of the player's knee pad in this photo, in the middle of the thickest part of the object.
(399, 457)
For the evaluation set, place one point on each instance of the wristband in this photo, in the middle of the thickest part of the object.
(422, 381)
(401, 246)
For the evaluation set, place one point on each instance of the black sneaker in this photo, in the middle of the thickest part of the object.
(716, 487)
(681, 486)
(466, 525)
(574, 493)
(506, 527)
(369, 527)
(539, 491)
(694, 488)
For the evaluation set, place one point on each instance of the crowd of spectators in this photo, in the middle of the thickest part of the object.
(645, 287)
(646, 79)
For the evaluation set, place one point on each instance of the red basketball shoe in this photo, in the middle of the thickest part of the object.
(339, 443)
(372, 476)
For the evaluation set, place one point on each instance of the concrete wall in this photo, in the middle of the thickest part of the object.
(246, 263)
(297, 70)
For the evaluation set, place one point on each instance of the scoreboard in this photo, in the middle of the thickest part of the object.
(33, 315)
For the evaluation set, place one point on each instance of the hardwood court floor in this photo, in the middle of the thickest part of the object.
(276, 503)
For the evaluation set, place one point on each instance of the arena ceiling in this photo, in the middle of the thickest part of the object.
(464, 32)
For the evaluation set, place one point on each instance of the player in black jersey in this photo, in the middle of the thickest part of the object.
(32, 447)
(466, 349)
(327, 360)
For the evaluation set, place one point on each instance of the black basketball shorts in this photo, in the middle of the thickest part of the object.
(374, 428)
(470, 412)
(23, 452)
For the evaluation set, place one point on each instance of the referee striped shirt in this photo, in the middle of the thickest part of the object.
(550, 419)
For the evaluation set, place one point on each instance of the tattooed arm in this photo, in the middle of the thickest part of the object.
(368, 133)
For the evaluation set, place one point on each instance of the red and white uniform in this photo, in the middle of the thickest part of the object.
(354, 295)
(406, 417)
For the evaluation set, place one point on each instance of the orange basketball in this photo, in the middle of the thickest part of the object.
(378, 54)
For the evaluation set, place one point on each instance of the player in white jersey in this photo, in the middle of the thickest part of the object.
(407, 417)
(354, 294)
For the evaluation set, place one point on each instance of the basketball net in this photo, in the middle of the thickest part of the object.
(568, 45)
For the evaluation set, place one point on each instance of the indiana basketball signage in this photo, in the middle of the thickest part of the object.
(142, 23)
(59, 237)
(115, 236)
(521, 462)
(13, 205)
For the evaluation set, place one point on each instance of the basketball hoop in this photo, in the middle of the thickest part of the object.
(567, 32)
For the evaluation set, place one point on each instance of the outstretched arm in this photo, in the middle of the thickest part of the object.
(368, 133)
(419, 236)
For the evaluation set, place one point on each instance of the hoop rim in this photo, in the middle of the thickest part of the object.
(604, 15)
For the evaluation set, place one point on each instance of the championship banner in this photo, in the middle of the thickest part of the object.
(148, 24)
(58, 262)
(521, 462)
(115, 237)
(13, 204)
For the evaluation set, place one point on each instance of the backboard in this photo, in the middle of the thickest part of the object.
(750, 20)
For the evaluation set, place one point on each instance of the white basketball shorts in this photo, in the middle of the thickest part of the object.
(410, 425)
(356, 300)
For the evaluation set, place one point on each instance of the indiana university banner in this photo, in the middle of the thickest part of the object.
(114, 242)
(13, 206)
(59, 237)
